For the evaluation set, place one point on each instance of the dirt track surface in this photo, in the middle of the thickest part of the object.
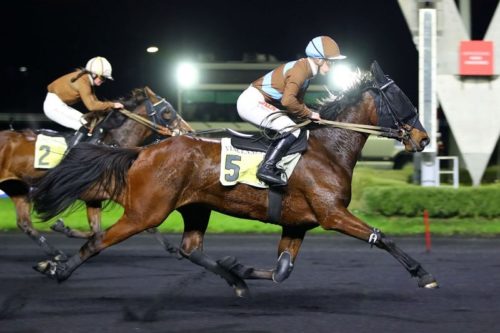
(339, 284)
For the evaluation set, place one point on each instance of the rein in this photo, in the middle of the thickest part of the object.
(370, 129)
(399, 134)
(148, 123)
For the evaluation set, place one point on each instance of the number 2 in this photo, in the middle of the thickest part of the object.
(46, 150)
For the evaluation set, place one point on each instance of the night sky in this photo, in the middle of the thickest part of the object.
(52, 37)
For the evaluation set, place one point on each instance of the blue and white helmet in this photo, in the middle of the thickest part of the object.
(323, 47)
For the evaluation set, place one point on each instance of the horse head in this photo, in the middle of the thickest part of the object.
(397, 111)
(126, 129)
(164, 113)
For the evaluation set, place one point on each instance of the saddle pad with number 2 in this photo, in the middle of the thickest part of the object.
(49, 151)
(240, 166)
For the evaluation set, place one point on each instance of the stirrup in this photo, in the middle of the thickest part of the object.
(272, 177)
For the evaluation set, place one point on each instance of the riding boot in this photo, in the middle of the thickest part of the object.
(80, 135)
(267, 171)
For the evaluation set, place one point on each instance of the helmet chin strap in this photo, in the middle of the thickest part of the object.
(320, 53)
(321, 63)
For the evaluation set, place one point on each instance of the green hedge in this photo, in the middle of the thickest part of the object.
(411, 201)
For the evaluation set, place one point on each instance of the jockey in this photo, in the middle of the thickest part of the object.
(74, 87)
(284, 89)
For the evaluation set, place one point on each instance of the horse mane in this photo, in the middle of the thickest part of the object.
(136, 97)
(330, 107)
(131, 102)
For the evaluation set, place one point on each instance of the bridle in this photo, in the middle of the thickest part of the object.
(155, 112)
(404, 129)
(156, 121)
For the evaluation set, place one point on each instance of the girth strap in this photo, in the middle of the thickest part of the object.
(274, 204)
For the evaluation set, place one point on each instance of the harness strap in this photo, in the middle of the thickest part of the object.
(274, 204)
(370, 129)
(155, 127)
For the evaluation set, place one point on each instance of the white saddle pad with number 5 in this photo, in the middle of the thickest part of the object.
(240, 166)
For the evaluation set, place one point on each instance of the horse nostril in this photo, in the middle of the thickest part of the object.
(424, 142)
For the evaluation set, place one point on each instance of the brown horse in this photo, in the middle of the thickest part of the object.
(17, 150)
(183, 173)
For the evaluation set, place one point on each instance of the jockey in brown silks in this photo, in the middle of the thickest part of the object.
(284, 89)
(74, 87)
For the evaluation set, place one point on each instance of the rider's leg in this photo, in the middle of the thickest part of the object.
(81, 135)
(56, 110)
(268, 172)
(253, 108)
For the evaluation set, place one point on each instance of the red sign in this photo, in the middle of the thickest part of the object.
(476, 57)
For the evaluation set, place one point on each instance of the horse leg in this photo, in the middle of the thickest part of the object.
(288, 249)
(346, 223)
(195, 224)
(23, 220)
(132, 222)
(94, 209)
(172, 249)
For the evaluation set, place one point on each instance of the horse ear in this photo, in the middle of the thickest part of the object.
(378, 73)
(151, 94)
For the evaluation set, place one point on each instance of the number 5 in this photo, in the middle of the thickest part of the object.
(231, 166)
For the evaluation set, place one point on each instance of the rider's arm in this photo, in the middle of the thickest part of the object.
(90, 100)
(293, 92)
(292, 103)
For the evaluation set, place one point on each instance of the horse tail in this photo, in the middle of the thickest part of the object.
(87, 166)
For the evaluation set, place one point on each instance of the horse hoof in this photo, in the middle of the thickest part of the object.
(52, 269)
(433, 285)
(61, 257)
(47, 268)
(428, 282)
(41, 267)
(241, 292)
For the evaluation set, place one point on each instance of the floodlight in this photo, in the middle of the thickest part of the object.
(152, 49)
(341, 76)
(187, 75)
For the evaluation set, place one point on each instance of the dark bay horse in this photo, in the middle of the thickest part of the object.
(183, 173)
(17, 152)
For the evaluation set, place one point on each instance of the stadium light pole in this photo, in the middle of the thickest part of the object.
(187, 77)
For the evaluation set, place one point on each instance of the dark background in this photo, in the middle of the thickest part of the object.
(52, 37)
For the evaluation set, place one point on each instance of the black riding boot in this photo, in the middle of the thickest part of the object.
(80, 135)
(268, 172)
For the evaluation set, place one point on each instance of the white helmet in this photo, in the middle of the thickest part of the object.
(99, 66)
(323, 47)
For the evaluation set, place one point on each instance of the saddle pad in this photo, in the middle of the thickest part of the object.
(240, 166)
(49, 151)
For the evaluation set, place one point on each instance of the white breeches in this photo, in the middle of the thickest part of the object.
(253, 108)
(56, 110)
